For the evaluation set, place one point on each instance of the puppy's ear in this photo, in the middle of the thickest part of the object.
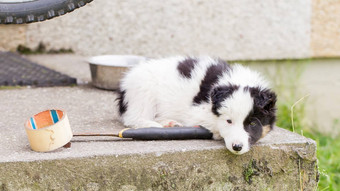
(219, 94)
(264, 99)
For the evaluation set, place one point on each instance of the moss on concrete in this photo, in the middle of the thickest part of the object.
(264, 168)
(249, 171)
(9, 87)
(41, 49)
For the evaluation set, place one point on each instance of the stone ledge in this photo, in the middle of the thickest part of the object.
(271, 165)
(281, 161)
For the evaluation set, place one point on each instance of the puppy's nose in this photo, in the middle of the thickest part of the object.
(237, 147)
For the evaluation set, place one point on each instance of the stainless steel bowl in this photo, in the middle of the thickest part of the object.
(107, 70)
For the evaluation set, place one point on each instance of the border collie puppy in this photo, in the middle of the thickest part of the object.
(231, 101)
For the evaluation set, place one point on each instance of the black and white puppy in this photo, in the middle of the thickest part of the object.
(231, 101)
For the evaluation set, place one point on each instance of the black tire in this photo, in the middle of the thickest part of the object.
(36, 10)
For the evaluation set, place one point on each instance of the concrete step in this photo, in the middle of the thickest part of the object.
(281, 161)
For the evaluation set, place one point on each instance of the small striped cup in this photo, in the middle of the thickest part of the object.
(48, 130)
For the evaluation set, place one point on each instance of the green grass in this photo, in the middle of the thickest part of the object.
(328, 147)
(329, 161)
(286, 84)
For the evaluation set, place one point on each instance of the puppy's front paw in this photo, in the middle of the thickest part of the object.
(217, 136)
(170, 123)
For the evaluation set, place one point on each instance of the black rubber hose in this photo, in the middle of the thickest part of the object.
(172, 133)
(36, 10)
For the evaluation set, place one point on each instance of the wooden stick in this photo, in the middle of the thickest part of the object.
(95, 135)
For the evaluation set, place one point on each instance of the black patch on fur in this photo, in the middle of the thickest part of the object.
(122, 104)
(264, 99)
(262, 114)
(213, 73)
(186, 66)
(219, 94)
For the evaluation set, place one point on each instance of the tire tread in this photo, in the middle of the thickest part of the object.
(12, 13)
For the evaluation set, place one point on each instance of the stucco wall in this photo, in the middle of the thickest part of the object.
(230, 29)
(11, 36)
(325, 39)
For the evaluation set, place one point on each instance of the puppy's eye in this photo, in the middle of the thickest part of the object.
(229, 121)
(252, 124)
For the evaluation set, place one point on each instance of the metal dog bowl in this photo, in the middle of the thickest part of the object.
(107, 70)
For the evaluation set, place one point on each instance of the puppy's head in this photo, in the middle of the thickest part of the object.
(244, 115)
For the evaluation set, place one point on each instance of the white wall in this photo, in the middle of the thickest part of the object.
(242, 29)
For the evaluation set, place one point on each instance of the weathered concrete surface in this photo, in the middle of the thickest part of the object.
(70, 64)
(289, 166)
(325, 26)
(11, 36)
(280, 161)
(228, 29)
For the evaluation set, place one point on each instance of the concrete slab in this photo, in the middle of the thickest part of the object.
(92, 110)
(89, 110)
(70, 64)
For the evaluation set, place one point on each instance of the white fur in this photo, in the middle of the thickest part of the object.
(236, 109)
(156, 93)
